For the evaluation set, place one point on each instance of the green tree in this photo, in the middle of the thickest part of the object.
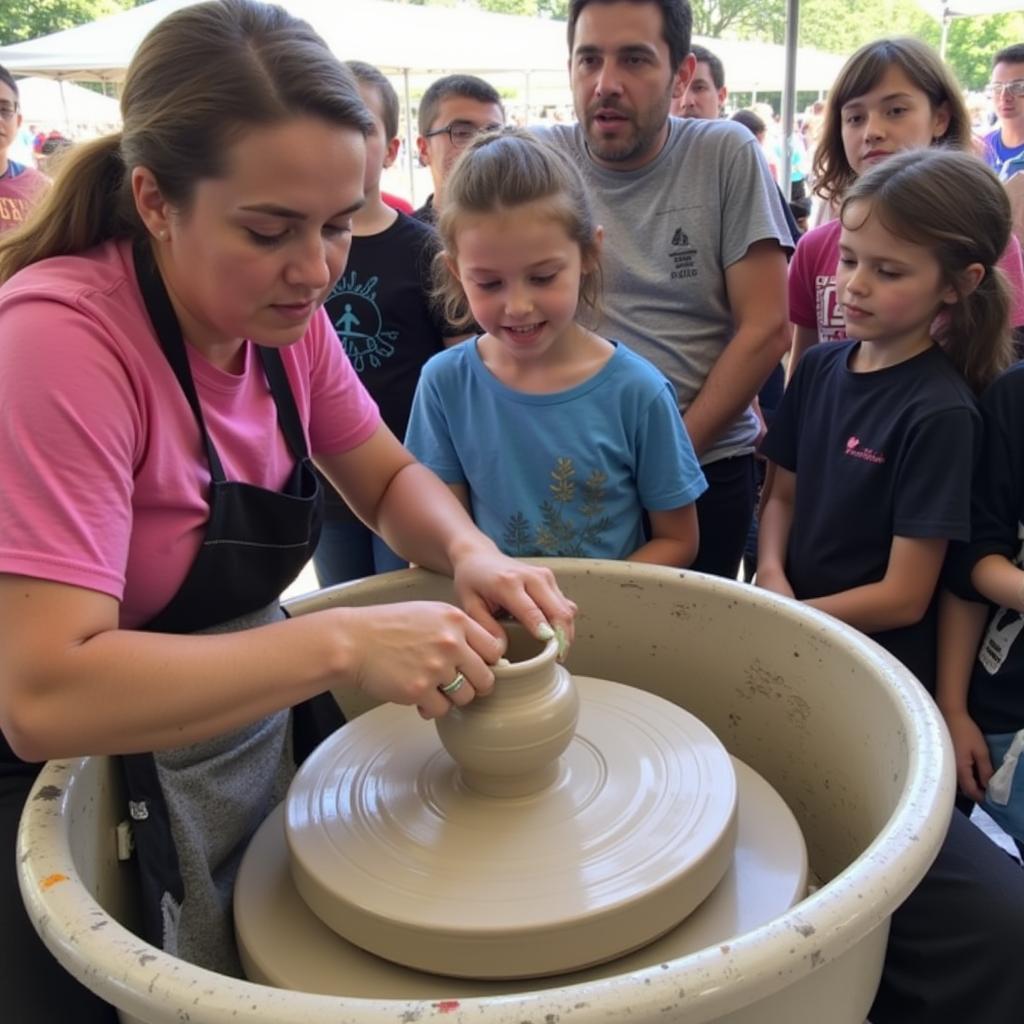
(972, 43)
(527, 7)
(29, 19)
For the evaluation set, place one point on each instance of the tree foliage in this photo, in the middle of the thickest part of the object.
(29, 19)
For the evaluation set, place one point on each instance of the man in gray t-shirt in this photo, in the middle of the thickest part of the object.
(694, 265)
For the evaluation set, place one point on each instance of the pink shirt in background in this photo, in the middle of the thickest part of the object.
(104, 474)
(18, 194)
(812, 282)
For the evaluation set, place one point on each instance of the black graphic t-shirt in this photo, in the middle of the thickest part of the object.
(877, 455)
(996, 696)
(384, 318)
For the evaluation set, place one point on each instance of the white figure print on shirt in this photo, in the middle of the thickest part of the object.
(360, 326)
(1005, 626)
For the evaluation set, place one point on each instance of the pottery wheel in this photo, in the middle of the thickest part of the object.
(284, 944)
(394, 853)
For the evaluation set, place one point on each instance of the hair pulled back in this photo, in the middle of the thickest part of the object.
(498, 172)
(199, 80)
(952, 204)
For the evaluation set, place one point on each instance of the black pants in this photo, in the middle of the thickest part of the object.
(34, 988)
(954, 946)
(724, 512)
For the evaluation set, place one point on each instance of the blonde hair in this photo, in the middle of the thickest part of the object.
(954, 205)
(498, 172)
(859, 75)
(199, 80)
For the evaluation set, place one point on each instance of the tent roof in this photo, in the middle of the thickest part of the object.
(44, 101)
(397, 38)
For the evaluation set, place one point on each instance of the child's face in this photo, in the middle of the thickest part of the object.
(521, 273)
(893, 116)
(890, 289)
(380, 153)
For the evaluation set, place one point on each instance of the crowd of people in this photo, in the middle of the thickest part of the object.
(215, 317)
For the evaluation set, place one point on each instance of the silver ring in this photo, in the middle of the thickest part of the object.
(449, 688)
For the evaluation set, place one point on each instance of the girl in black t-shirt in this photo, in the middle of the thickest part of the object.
(874, 441)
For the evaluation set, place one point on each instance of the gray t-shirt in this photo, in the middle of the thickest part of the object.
(671, 229)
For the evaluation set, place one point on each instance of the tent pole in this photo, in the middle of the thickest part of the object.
(947, 17)
(410, 141)
(64, 106)
(789, 97)
(526, 100)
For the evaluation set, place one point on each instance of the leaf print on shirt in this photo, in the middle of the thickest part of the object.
(560, 533)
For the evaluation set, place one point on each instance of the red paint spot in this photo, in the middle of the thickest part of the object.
(447, 1005)
(51, 880)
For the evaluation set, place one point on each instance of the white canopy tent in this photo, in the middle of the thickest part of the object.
(397, 38)
(409, 40)
(45, 101)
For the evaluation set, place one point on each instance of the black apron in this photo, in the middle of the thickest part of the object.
(256, 543)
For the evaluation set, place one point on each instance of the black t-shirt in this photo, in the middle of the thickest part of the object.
(385, 319)
(996, 697)
(877, 455)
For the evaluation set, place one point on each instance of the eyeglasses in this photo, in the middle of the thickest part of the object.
(462, 133)
(995, 89)
(7, 111)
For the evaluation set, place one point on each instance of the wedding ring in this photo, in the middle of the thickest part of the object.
(449, 688)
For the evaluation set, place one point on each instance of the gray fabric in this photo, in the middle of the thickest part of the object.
(671, 229)
(217, 794)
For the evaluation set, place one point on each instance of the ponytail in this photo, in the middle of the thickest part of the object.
(953, 205)
(976, 335)
(90, 201)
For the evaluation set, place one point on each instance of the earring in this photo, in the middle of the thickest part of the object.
(162, 235)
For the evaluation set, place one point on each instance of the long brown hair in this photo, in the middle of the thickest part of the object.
(199, 80)
(954, 205)
(500, 171)
(859, 75)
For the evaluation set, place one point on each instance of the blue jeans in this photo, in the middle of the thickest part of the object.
(1009, 816)
(352, 551)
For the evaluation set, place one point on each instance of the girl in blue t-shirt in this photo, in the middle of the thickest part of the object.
(875, 439)
(556, 439)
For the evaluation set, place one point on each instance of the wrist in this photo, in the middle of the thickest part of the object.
(469, 544)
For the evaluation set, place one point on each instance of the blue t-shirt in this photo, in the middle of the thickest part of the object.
(1004, 160)
(565, 474)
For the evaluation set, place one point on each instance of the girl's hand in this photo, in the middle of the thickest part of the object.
(973, 764)
(404, 653)
(774, 580)
(487, 582)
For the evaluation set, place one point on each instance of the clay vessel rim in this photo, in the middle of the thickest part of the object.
(514, 669)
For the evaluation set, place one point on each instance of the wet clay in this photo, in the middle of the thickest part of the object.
(517, 861)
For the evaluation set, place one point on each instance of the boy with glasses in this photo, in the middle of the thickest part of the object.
(454, 110)
(20, 186)
(1004, 147)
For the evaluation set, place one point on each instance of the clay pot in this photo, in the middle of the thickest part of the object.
(508, 743)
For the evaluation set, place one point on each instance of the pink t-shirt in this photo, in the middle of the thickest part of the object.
(812, 282)
(18, 193)
(104, 475)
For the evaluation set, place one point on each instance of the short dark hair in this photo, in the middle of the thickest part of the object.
(714, 63)
(367, 74)
(467, 86)
(1010, 55)
(8, 79)
(751, 121)
(676, 24)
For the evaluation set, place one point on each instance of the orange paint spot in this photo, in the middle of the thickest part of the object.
(51, 880)
(447, 1005)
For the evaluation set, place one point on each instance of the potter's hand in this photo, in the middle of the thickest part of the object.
(404, 653)
(970, 752)
(487, 582)
(768, 578)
